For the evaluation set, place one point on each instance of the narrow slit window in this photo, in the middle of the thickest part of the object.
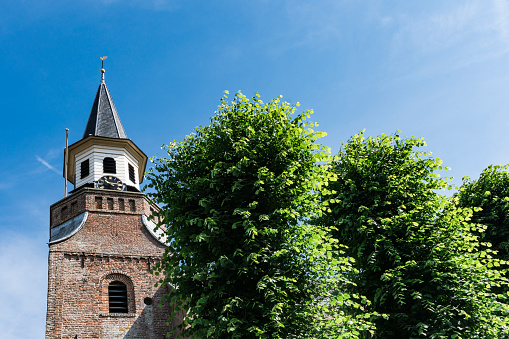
(109, 166)
(110, 203)
(64, 212)
(132, 175)
(132, 206)
(98, 203)
(85, 169)
(117, 296)
(121, 205)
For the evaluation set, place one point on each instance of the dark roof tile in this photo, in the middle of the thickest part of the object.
(104, 120)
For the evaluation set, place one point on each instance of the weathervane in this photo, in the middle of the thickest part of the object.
(102, 60)
(102, 67)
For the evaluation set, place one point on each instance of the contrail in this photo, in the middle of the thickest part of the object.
(45, 163)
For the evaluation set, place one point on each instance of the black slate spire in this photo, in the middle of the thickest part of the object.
(104, 120)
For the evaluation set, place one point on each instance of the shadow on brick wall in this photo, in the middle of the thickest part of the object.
(152, 322)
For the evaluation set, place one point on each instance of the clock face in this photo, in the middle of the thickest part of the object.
(109, 182)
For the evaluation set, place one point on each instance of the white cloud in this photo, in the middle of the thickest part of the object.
(452, 34)
(451, 37)
(304, 23)
(5, 185)
(12, 177)
(502, 10)
(53, 154)
(45, 163)
(386, 20)
(23, 286)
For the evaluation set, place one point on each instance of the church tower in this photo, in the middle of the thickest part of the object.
(102, 243)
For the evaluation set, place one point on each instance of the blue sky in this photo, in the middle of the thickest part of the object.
(437, 69)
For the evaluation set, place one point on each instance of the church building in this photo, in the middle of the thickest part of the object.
(102, 242)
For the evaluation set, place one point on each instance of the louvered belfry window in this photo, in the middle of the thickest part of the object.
(85, 169)
(109, 165)
(132, 175)
(117, 295)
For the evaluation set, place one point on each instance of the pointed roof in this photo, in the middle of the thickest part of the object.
(104, 120)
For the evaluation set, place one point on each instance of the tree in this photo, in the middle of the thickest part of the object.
(490, 196)
(490, 193)
(243, 261)
(418, 256)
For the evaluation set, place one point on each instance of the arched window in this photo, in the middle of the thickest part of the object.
(109, 166)
(117, 296)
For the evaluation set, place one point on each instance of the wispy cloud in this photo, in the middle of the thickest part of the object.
(5, 185)
(45, 163)
(12, 177)
(450, 37)
(307, 24)
(414, 39)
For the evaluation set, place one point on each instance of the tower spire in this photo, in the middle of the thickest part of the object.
(104, 120)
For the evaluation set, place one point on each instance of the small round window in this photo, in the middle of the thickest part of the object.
(147, 301)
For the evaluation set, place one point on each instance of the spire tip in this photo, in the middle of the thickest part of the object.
(102, 67)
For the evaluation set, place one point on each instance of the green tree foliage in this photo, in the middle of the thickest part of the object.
(243, 261)
(490, 193)
(418, 256)
(489, 196)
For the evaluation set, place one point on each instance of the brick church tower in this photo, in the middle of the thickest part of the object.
(102, 244)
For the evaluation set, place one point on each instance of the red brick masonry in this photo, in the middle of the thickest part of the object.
(112, 245)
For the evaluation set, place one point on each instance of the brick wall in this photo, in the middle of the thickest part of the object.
(113, 245)
(91, 199)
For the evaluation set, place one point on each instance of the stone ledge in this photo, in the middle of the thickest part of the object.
(117, 315)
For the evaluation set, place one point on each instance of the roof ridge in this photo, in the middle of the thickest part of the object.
(98, 95)
(116, 117)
